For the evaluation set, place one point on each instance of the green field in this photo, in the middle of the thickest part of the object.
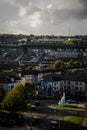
(67, 106)
(73, 122)
(74, 119)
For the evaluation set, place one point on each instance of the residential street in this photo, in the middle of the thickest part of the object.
(40, 118)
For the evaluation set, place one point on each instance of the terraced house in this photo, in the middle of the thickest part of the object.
(8, 80)
(73, 85)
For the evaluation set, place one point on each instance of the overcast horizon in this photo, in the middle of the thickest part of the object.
(43, 17)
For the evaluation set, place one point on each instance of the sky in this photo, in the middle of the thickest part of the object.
(43, 17)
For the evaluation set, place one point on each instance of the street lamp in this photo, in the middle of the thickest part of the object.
(30, 110)
(30, 127)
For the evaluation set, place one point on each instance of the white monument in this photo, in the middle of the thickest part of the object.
(62, 101)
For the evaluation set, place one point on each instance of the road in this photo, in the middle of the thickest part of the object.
(41, 118)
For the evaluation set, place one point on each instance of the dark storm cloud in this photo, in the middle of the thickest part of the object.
(77, 10)
(49, 16)
(67, 14)
(84, 2)
(84, 9)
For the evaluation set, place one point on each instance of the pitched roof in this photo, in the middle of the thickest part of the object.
(68, 77)
(75, 77)
(52, 77)
(5, 77)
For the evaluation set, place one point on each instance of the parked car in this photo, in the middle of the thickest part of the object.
(54, 125)
(33, 108)
(71, 101)
(36, 103)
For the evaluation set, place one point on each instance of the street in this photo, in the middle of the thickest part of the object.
(40, 118)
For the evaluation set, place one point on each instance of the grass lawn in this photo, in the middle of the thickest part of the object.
(67, 106)
(4, 112)
(72, 122)
(74, 119)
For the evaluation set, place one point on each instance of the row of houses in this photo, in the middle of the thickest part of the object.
(75, 85)
(54, 84)
(16, 40)
(12, 40)
(65, 54)
(54, 40)
(44, 40)
(51, 84)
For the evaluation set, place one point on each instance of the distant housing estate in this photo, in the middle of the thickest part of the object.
(16, 39)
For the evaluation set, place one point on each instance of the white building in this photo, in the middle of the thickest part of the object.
(48, 40)
(65, 54)
(71, 84)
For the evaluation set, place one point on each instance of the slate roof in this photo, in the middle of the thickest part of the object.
(5, 77)
(67, 77)
(52, 77)
(75, 77)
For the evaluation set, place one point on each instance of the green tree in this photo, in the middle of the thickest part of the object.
(76, 63)
(69, 42)
(58, 64)
(29, 68)
(14, 99)
(69, 63)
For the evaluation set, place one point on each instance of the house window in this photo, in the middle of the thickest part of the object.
(54, 83)
(80, 83)
(65, 87)
(76, 83)
(68, 82)
(64, 82)
(76, 88)
(80, 88)
(68, 87)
